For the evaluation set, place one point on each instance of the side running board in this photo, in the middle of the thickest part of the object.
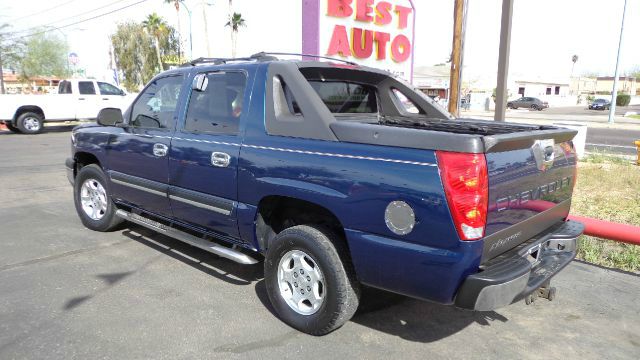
(203, 244)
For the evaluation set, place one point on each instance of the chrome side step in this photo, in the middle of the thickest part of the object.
(209, 246)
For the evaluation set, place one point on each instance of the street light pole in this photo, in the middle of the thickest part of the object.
(614, 91)
(190, 32)
(503, 60)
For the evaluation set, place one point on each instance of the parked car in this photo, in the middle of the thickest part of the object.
(600, 104)
(77, 99)
(528, 103)
(336, 181)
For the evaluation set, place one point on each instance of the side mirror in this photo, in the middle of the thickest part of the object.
(110, 117)
(200, 82)
(122, 93)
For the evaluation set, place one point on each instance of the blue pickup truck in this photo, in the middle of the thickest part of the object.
(336, 176)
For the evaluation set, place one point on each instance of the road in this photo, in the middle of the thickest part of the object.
(620, 141)
(67, 292)
(601, 137)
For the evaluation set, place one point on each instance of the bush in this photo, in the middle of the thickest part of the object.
(623, 100)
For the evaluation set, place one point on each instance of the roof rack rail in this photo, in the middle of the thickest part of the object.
(218, 61)
(261, 56)
(304, 55)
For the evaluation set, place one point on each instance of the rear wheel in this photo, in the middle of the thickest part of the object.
(93, 203)
(30, 123)
(310, 280)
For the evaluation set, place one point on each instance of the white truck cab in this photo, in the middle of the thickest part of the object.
(77, 99)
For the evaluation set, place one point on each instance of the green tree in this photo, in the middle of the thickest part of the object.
(10, 52)
(44, 54)
(176, 4)
(235, 22)
(136, 50)
(159, 29)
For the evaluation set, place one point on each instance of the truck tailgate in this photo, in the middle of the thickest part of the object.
(529, 191)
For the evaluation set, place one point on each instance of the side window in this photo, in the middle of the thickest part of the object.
(108, 89)
(405, 103)
(86, 88)
(217, 109)
(156, 105)
(64, 87)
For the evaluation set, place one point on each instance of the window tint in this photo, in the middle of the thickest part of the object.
(156, 105)
(345, 97)
(64, 87)
(108, 89)
(217, 109)
(405, 103)
(86, 88)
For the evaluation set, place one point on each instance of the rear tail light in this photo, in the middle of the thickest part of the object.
(466, 185)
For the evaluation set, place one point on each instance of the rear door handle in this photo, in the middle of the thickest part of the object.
(220, 159)
(160, 150)
(105, 98)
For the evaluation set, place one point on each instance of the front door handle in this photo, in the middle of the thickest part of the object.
(220, 159)
(160, 150)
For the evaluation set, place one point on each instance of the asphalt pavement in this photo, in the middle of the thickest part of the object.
(617, 138)
(70, 293)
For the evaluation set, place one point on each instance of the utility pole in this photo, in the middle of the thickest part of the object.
(614, 92)
(503, 60)
(456, 58)
(1, 73)
(206, 28)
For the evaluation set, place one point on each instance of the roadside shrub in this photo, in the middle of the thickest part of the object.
(590, 98)
(623, 100)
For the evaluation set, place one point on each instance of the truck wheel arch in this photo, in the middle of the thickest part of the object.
(82, 159)
(28, 108)
(276, 213)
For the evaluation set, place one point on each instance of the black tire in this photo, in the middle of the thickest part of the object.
(510, 106)
(30, 123)
(108, 220)
(11, 127)
(341, 290)
(534, 107)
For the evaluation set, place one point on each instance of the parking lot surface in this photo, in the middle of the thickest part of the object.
(67, 292)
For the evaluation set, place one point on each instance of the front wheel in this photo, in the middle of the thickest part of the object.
(534, 107)
(93, 203)
(310, 280)
(30, 123)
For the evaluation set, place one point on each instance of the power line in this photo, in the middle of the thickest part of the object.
(42, 11)
(69, 18)
(81, 21)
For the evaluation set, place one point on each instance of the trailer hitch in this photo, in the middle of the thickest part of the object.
(546, 291)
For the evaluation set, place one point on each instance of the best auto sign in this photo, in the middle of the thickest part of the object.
(374, 33)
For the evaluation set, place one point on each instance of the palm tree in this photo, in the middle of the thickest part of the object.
(157, 27)
(574, 58)
(176, 3)
(235, 22)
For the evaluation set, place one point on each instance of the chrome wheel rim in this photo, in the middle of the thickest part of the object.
(301, 282)
(93, 199)
(31, 124)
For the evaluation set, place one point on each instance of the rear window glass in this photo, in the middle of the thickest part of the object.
(346, 97)
(64, 87)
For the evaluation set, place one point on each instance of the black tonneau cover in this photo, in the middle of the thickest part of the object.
(460, 135)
